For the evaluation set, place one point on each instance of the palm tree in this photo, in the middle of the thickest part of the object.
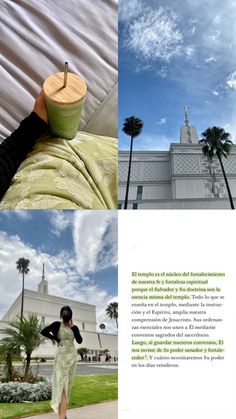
(112, 311)
(217, 142)
(24, 334)
(8, 350)
(22, 265)
(133, 127)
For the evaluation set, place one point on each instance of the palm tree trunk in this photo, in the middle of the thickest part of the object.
(116, 322)
(129, 171)
(226, 181)
(9, 367)
(27, 367)
(22, 296)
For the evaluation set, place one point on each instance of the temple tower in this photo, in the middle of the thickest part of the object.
(43, 285)
(188, 134)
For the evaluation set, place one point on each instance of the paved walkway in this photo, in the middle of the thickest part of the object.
(106, 410)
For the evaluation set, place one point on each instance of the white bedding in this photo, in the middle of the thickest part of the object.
(38, 36)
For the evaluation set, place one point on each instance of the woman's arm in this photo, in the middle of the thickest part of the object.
(77, 334)
(14, 149)
(49, 332)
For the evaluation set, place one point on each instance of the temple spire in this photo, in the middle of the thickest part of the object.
(187, 124)
(43, 276)
(188, 134)
(43, 285)
(186, 116)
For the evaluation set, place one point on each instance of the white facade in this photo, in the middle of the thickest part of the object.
(47, 308)
(181, 178)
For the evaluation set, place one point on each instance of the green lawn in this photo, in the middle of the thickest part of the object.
(87, 389)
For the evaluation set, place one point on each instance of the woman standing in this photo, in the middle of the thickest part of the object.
(63, 333)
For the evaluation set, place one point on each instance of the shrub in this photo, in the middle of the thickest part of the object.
(16, 392)
(18, 375)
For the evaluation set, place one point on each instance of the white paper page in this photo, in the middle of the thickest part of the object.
(181, 242)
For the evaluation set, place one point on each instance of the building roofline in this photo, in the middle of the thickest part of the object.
(143, 152)
(28, 292)
(163, 152)
(56, 297)
(11, 306)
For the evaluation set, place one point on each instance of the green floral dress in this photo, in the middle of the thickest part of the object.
(64, 367)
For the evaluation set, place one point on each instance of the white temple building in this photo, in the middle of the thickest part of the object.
(181, 178)
(47, 308)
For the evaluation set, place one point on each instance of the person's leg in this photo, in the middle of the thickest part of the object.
(62, 407)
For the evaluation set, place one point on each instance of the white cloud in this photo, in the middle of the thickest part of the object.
(95, 240)
(231, 128)
(214, 37)
(21, 214)
(210, 60)
(217, 20)
(154, 35)
(140, 67)
(163, 72)
(150, 32)
(215, 93)
(60, 221)
(12, 248)
(129, 10)
(59, 270)
(162, 121)
(189, 51)
(231, 80)
(227, 127)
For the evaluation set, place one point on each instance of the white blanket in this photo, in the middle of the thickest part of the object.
(38, 36)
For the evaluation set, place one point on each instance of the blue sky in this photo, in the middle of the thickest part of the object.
(171, 54)
(79, 249)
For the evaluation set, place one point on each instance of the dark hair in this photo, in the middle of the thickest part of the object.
(67, 308)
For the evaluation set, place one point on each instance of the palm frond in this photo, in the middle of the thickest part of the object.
(22, 265)
(216, 141)
(132, 126)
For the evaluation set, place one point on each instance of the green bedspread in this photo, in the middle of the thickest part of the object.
(60, 174)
